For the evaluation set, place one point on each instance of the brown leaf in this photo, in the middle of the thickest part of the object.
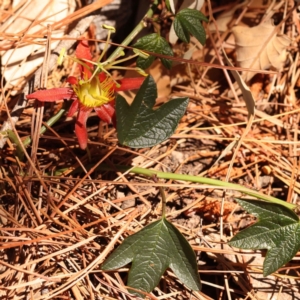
(256, 48)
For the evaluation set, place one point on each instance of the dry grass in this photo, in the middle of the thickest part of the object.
(61, 214)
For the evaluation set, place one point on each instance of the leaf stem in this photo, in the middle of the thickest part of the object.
(163, 201)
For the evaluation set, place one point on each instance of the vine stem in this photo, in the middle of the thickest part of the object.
(213, 182)
(139, 27)
(12, 136)
(189, 178)
(182, 177)
(203, 180)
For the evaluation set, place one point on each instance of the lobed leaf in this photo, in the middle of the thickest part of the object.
(139, 126)
(152, 250)
(277, 230)
(188, 22)
(157, 44)
(193, 4)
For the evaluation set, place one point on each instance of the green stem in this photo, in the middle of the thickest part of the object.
(49, 123)
(213, 182)
(203, 180)
(19, 149)
(112, 64)
(189, 178)
(140, 26)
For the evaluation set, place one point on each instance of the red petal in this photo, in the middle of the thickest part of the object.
(130, 83)
(80, 127)
(72, 80)
(102, 76)
(52, 94)
(73, 108)
(106, 112)
(83, 52)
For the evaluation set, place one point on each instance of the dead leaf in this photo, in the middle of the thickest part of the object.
(224, 19)
(256, 47)
(256, 88)
(34, 16)
(247, 95)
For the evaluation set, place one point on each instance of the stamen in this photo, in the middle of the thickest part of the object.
(95, 93)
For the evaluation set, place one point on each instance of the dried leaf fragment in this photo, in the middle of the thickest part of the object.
(256, 47)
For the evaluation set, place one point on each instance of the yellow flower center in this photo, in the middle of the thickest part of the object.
(94, 93)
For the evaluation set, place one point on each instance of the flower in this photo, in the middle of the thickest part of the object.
(89, 92)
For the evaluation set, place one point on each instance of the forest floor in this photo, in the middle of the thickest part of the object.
(61, 213)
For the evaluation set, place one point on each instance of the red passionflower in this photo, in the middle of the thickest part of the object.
(89, 93)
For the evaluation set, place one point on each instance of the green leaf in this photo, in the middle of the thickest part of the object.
(188, 22)
(277, 230)
(152, 250)
(139, 126)
(154, 43)
(145, 63)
